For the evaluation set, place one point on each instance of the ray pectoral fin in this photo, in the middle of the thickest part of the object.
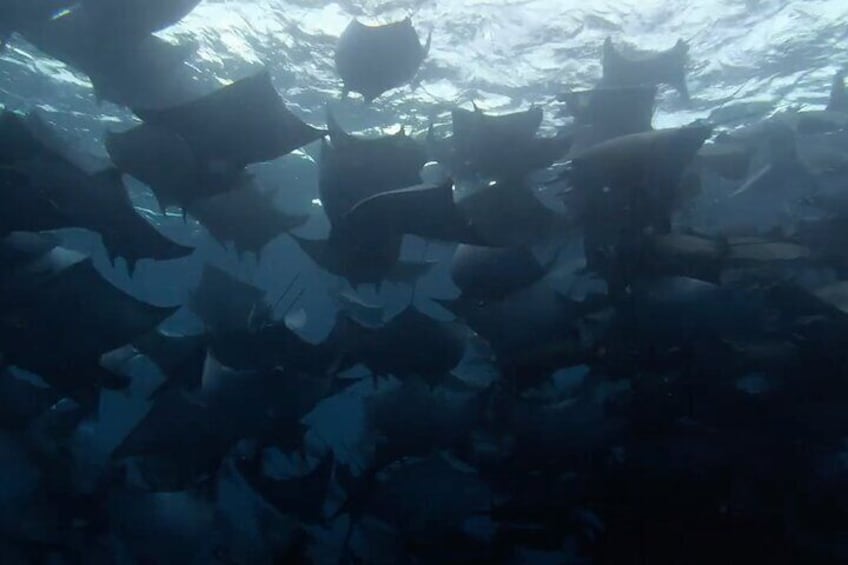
(335, 130)
(131, 265)
(243, 123)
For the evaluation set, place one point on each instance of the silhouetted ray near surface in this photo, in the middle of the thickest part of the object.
(373, 59)
(566, 284)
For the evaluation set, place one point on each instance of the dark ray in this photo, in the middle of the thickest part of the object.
(615, 110)
(101, 203)
(264, 405)
(812, 122)
(646, 67)
(107, 210)
(19, 248)
(22, 401)
(677, 310)
(778, 161)
(783, 168)
(687, 256)
(18, 141)
(374, 59)
(301, 496)
(553, 435)
(354, 168)
(628, 185)
(501, 146)
(245, 122)
(178, 440)
(31, 259)
(152, 74)
(225, 303)
(128, 19)
(486, 273)
(268, 347)
(60, 304)
(145, 72)
(26, 205)
(353, 305)
(520, 126)
(355, 264)
(179, 357)
(824, 303)
(120, 22)
(426, 523)
(659, 154)
(185, 436)
(24, 208)
(157, 527)
(363, 262)
(409, 345)
(607, 112)
(112, 320)
(146, 439)
(425, 210)
(246, 216)
(49, 139)
(838, 98)
(59, 194)
(507, 213)
(753, 250)
(162, 160)
(828, 237)
(415, 420)
(533, 332)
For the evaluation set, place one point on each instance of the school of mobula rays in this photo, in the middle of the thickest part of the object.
(675, 395)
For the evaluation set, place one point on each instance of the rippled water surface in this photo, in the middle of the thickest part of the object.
(748, 56)
(749, 59)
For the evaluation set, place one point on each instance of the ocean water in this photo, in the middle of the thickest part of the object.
(749, 59)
